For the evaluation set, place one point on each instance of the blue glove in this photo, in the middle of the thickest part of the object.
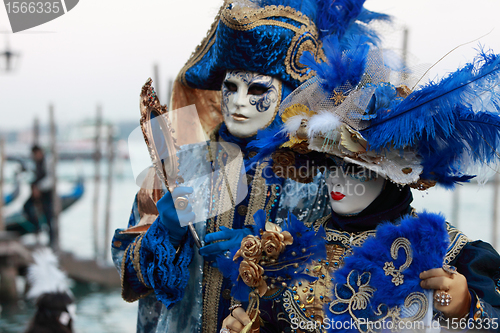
(171, 218)
(233, 239)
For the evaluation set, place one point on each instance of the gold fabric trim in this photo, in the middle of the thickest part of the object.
(128, 295)
(318, 223)
(136, 260)
(311, 297)
(346, 238)
(272, 196)
(308, 41)
(389, 269)
(457, 242)
(211, 298)
(241, 17)
(291, 307)
(257, 196)
(306, 37)
(361, 298)
(228, 179)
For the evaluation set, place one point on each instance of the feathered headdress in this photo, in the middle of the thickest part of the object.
(44, 275)
(357, 109)
(268, 37)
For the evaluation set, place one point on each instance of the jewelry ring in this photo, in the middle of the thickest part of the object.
(232, 307)
(443, 298)
(450, 269)
(181, 203)
(224, 330)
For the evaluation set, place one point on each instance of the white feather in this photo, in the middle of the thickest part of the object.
(44, 275)
(293, 124)
(322, 123)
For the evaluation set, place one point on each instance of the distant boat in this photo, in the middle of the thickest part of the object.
(14, 194)
(17, 221)
(10, 197)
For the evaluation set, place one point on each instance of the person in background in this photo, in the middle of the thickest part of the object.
(40, 201)
(48, 287)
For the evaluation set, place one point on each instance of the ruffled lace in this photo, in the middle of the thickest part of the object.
(163, 270)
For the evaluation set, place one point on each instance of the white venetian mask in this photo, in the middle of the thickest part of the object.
(249, 102)
(352, 188)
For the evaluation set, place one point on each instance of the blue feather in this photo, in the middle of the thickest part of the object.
(342, 18)
(445, 121)
(341, 67)
(428, 240)
(268, 140)
(360, 27)
(431, 109)
(475, 136)
(335, 16)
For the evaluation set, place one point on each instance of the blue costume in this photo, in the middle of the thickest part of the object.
(366, 125)
(177, 289)
(304, 306)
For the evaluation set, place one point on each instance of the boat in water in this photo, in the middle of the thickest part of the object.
(18, 222)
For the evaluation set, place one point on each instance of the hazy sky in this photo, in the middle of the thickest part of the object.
(103, 51)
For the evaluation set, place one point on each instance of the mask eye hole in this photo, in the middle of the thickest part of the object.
(257, 89)
(230, 86)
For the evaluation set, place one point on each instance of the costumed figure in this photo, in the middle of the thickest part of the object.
(252, 54)
(387, 267)
(48, 286)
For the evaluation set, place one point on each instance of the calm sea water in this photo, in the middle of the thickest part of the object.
(103, 310)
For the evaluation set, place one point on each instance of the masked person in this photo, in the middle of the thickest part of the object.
(252, 55)
(55, 303)
(386, 265)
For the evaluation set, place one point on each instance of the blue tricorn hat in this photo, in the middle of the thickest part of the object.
(268, 40)
(269, 37)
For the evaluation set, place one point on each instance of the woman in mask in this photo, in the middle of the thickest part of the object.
(387, 266)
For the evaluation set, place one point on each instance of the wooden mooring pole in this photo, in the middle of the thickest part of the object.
(56, 202)
(109, 187)
(36, 132)
(12, 252)
(170, 86)
(97, 181)
(2, 164)
(156, 73)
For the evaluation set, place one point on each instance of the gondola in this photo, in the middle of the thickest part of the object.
(17, 221)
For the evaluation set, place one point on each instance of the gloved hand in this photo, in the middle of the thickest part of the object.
(171, 218)
(233, 239)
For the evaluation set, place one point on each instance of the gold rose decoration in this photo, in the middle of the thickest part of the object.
(256, 251)
(272, 256)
